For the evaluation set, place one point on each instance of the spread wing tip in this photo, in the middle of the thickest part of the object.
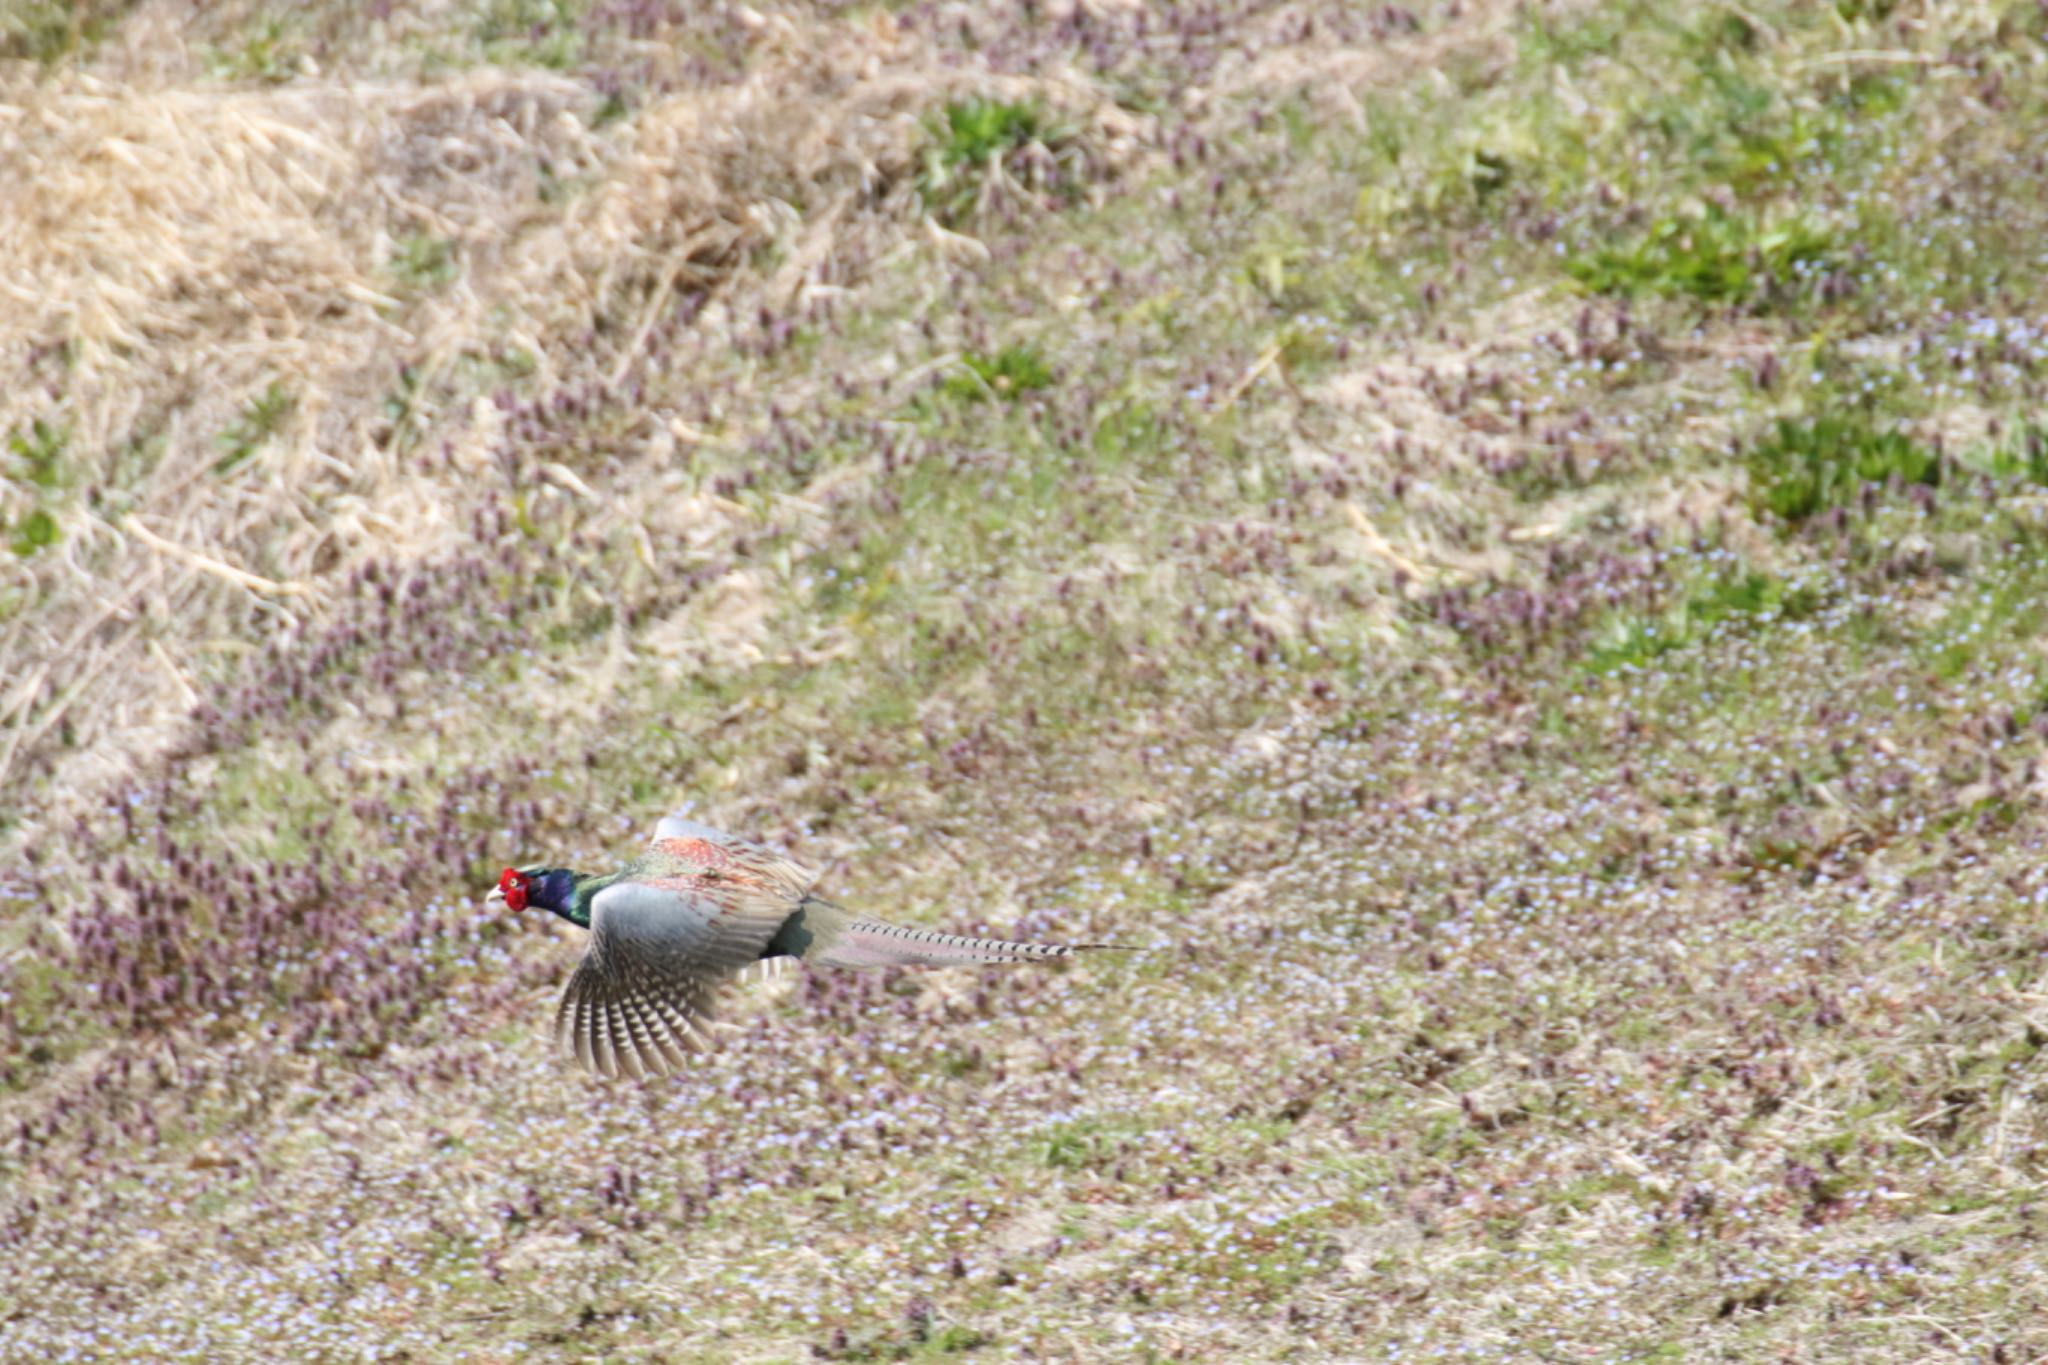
(615, 1028)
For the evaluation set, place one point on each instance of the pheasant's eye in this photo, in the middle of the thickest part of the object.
(514, 886)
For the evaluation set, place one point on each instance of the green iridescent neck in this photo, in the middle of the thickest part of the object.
(577, 909)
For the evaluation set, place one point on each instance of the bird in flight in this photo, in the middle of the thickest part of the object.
(696, 909)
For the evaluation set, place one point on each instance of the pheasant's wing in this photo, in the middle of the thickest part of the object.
(724, 855)
(642, 998)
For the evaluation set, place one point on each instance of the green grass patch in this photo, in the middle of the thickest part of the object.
(49, 31)
(261, 418)
(1570, 38)
(2005, 606)
(1803, 468)
(39, 454)
(1715, 256)
(1633, 639)
(2022, 455)
(34, 533)
(422, 260)
(270, 54)
(972, 131)
(545, 33)
(1009, 374)
(1731, 120)
(1073, 1146)
(967, 142)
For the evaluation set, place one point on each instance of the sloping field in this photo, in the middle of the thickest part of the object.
(1505, 543)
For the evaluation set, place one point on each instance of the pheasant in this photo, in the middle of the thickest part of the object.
(696, 909)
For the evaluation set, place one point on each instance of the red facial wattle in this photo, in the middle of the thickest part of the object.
(514, 888)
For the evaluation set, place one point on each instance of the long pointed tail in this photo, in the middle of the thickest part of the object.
(871, 943)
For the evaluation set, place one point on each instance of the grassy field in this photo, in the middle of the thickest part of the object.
(1506, 543)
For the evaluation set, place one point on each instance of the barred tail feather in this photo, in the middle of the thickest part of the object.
(871, 943)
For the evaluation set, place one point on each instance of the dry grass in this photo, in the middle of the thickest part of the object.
(388, 255)
(1290, 486)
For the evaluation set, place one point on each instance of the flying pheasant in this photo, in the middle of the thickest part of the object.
(694, 910)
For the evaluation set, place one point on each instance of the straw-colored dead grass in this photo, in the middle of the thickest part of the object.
(187, 249)
(386, 254)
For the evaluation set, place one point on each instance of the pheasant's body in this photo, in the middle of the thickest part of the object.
(694, 910)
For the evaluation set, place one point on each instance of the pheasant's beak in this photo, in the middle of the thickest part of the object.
(496, 895)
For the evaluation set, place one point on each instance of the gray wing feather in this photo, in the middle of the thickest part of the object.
(642, 998)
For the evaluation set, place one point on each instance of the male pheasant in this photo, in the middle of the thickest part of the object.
(697, 908)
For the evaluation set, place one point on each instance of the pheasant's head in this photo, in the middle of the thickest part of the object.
(545, 888)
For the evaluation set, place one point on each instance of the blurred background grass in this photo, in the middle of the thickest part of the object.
(1505, 540)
